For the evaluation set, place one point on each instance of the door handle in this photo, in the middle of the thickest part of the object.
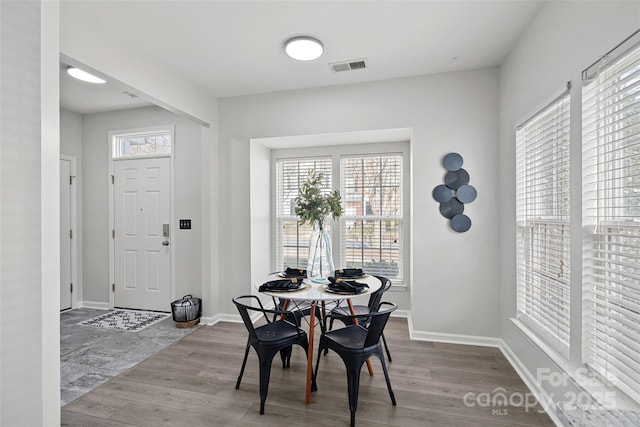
(165, 243)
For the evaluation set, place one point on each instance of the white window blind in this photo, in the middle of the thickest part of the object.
(542, 200)
(611, 220)
(371, 226)
(292, 240)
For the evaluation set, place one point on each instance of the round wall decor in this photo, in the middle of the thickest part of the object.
(455, 192)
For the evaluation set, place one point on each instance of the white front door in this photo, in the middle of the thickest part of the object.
(142, 258)
(65, 234)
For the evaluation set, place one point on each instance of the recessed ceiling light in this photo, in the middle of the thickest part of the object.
(303, 48)
(84, 76)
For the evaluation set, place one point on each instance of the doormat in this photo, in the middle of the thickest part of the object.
(125, 320)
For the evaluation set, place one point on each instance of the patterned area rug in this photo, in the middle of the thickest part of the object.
(126, 320)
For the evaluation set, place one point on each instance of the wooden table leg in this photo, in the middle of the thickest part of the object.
(284, 308)
(312, 317)
(355, 322)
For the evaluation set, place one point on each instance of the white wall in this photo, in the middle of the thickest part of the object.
(50, 202)
(187, 198)
(120, 60)
(29, 251)
(455, 281)
(71, 145)
(564, 39)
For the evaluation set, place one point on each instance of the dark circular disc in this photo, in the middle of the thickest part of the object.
(451, 208)
(461, 223)
(442, 193)
(466, 193)
(455, 179)
(452, 161)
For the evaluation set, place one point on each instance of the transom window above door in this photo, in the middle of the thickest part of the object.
(143, 144)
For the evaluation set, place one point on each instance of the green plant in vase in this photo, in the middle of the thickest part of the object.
(313, 206)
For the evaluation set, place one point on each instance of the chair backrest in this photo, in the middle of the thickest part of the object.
(242, 304)
(377, 322)
(376, 297)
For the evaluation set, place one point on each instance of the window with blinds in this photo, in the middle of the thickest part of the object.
(611, 221)
(292, 240)
(542, 211)
(371, 226)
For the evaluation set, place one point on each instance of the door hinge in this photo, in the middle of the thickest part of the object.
(113, 179)
(113, 287)
(71, 234)
(71, 287)
(71, 179)
(113, 233)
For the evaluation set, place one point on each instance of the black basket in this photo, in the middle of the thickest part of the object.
(186, 309)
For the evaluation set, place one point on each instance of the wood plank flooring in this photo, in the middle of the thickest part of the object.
(192, 383)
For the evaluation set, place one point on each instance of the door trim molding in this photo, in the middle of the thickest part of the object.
(172, 247)
(74, 226)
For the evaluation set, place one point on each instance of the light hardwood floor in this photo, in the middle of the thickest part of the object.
(192, 383)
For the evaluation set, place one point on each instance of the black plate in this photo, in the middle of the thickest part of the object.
(284, 275)
(300, 287)
(340, 292)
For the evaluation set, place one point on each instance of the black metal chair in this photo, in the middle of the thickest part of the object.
(275, 336)
(355, 344)
(343, 313)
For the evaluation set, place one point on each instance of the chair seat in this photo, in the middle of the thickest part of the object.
(274, 333)
(357, 310)
(348, 338)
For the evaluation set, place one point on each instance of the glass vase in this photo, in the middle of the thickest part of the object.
(320, 261)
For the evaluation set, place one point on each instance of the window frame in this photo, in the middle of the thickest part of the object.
(375, 218)
(608, 295)
(280, 219)
(543, 293)
(337, 152)
(141, 132)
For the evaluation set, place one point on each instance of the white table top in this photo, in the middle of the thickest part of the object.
(317, 292)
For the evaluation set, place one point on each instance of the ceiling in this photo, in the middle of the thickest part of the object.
(87, 98)
(234, 48)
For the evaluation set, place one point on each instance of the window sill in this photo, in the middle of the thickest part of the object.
(398, 288)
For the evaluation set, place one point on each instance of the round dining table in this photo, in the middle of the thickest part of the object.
(315, 293)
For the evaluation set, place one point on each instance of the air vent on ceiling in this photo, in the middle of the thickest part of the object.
(356, 64)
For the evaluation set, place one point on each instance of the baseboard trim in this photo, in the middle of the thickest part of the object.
(401, 313)
(232, 318)
(94, 304)
(452, 338)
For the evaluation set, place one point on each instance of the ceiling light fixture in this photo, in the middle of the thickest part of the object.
(303, 48)
(79, 74)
